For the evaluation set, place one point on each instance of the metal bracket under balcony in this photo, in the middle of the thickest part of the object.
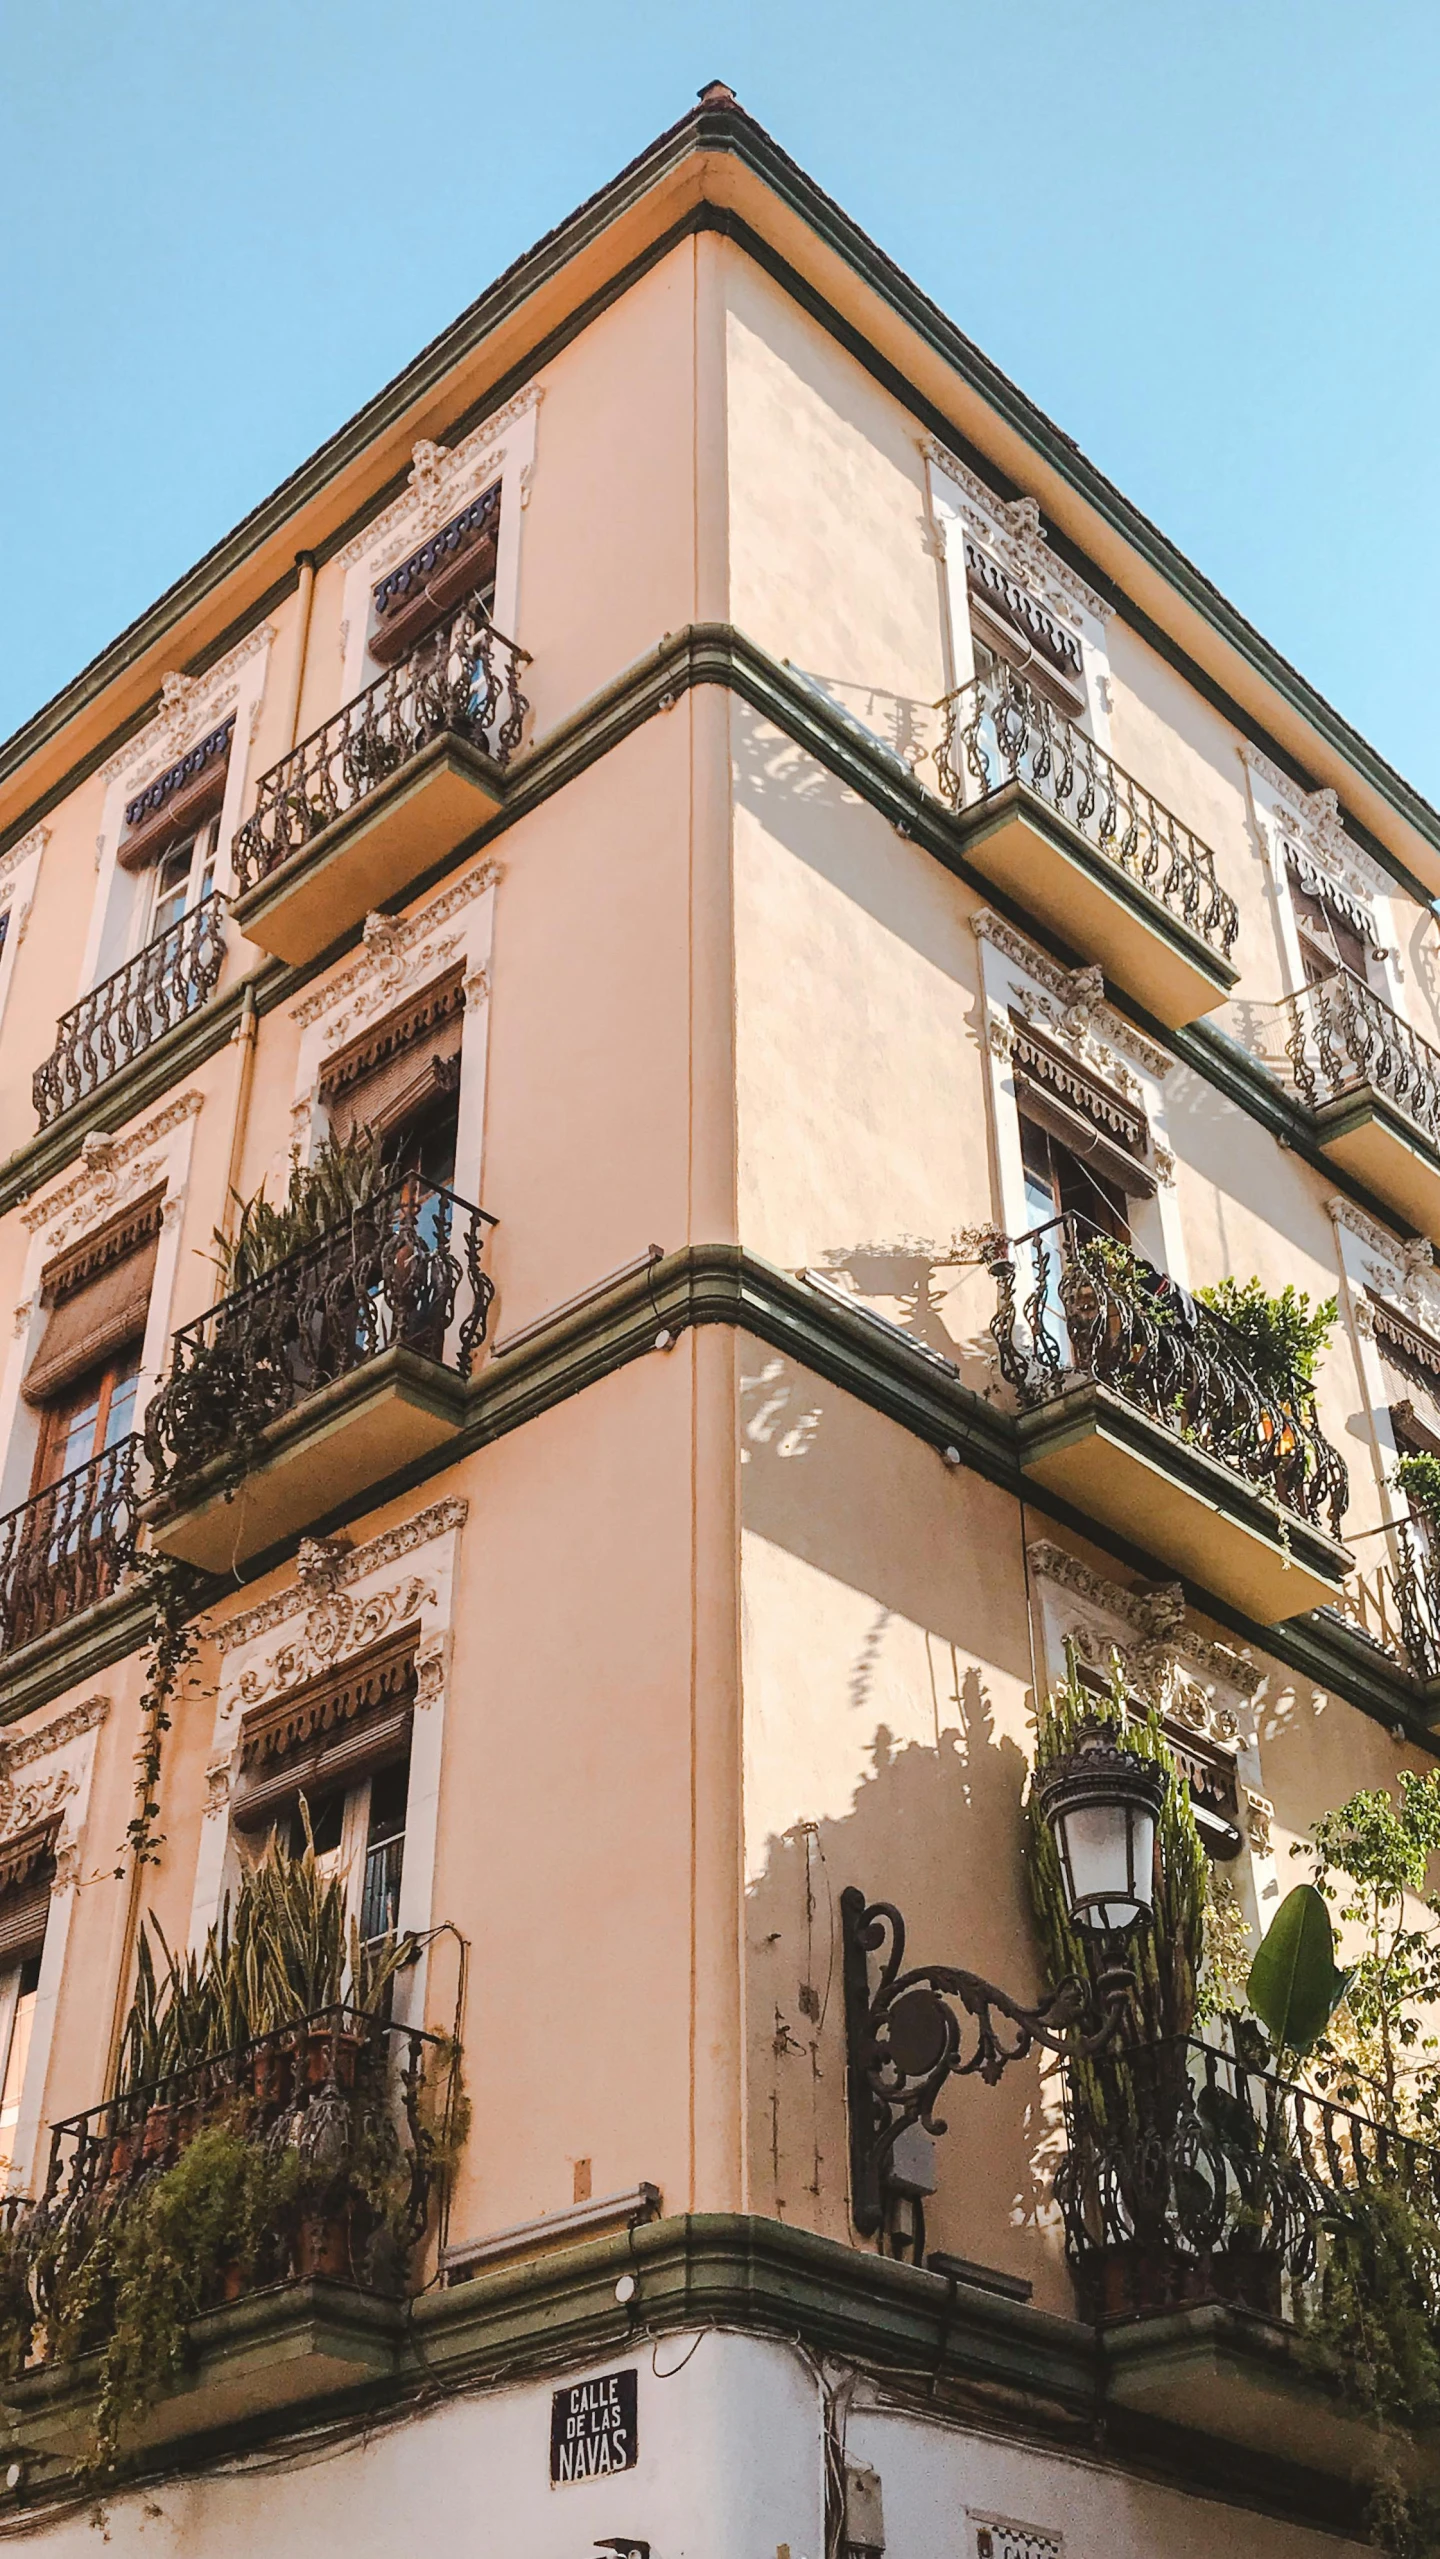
(1138, 1407)
(1373, 1086)
(66, 1549)
(1056, 822)
(346, 1363)
(391, 784)
(127, 1012)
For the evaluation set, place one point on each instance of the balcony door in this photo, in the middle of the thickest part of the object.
(94, 1414)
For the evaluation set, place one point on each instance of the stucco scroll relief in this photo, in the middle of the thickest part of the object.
(26, 1799)
(1069, 1006)
(190, 706)
(398, 953)
(325, 1575)
(442, 477)
(1311, 820)
(1011, 529)
(1401, 1270)
(1159, 1653)
(33, 843)
(112, 1170)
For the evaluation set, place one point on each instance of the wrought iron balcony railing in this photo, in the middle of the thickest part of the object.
(1339, 1035)
(359, 2106)
(399, 1272)
(998, 729)
(128, 1011)
(1191, 2174)
(1093, 1308)
(462, 679)
(1393, 1598)
(67, 1547)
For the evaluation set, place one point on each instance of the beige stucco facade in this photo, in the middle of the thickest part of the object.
(732, 1587)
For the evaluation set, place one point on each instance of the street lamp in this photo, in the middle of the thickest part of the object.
(1101, 1802)
(908, 2034)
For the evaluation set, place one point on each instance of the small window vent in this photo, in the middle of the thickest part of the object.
(999, 2537)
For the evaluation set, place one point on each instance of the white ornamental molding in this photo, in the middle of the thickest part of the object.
(1259, 1814)
(190, 706)
(336, 1625)
(1311, 822)
(398, 953)
(1159, 1651)
(112, 1171)
(432, 1663)
(442, 478)
(25, 1799)
(1069, 1005)
(326, 1567)
(28, 848)
(1401, 1270)
(1012, 531)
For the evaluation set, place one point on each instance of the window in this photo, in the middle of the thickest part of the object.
(1013, 626)
(337, 1751)
(1333, 928)
(19, 1986)
(90, 1417)
(173, 810)
(359, 1834)
(182, 876)
(457, 563)
(1058, 1182)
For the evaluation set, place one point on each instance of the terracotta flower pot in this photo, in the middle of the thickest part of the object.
(270, 2075)
(327, 2048)
(159, 2124)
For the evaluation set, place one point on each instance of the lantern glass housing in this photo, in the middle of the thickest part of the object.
(1101, 1804)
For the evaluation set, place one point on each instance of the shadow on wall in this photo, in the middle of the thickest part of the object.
(899, 723)
(932, 1820)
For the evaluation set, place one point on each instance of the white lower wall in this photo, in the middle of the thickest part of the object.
(729, 2468)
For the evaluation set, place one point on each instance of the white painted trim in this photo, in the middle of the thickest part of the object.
(113, 1171)
(19, 872)
(192, 708)
(443, 479)
(69, 1741)
(958, 504)
(348, 1601)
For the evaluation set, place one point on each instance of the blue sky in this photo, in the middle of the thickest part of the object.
(1205, 239)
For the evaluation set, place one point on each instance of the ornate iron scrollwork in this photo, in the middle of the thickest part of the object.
(907, 2035)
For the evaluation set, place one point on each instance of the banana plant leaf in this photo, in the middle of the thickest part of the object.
(1295, 1984)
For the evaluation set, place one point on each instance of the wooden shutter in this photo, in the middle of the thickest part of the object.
(97, 1296)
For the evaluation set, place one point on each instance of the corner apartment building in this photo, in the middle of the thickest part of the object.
(781, 850)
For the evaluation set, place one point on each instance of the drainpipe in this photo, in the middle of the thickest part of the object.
(304, 598)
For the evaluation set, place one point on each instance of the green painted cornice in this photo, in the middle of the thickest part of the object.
(643, 1313)
(948, 2350)
(718, 129)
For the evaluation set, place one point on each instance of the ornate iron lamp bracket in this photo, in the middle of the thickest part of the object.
(906, 2036)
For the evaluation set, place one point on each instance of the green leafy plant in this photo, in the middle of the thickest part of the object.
(1294, 1983)
(162, 2259)
(1284, 1337)
(1418, 1477)
(1374, 2331)
(341, 1176)
(1372, 1857)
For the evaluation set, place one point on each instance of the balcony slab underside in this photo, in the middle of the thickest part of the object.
(346, 1436)
(1049, 866)
(369, 856)
(1237, 2378)
(1180, 1504)
(1364, 1132)
(292, 2346)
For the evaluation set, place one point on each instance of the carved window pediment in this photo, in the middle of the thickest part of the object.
(329, 1731)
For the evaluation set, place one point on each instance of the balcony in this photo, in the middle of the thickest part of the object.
(128, 1011)
(1198, 2195)
(1052, 819)
(1373, 1086)
(66, 1549)
(342, 1365)
(1393, 1602)
(341, 2109)
(1136, 1405)
(349, 819)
